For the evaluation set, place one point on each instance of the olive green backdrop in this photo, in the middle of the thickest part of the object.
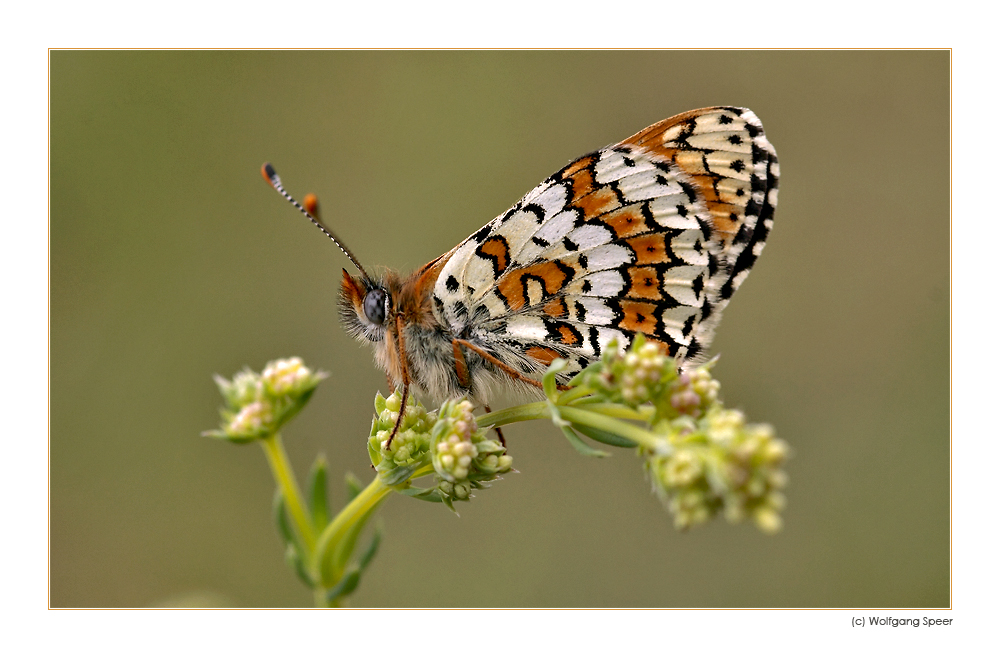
(171, 260)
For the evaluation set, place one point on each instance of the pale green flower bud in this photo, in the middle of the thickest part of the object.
(682, 469)
(251, 419)
(462, 491)
(287, 376)
(777, 479)
(412, 442)
(244, 389)
(767, 520)
(463, 457)
(694, 392)
(724, 425)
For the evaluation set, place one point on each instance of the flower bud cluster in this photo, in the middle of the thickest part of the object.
(243, 390)
(286, 377)
(412, 441)
(463, 457)
(694, 391)
(720, 463)
(639, 375)
(251, 420)
(258, 405)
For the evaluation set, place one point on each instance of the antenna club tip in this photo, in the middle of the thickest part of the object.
(312, 204)
(267, 171)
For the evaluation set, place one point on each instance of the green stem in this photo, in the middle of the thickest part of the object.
(285, 478)
(599, 421)
(532, 411)
(355, 512)
(574, 394)
(642, 414)
(538, 410)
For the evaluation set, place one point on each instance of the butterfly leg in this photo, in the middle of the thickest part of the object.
(461, 367)
(496, 429)
(510, 372)
(465, 381)
(401, 353)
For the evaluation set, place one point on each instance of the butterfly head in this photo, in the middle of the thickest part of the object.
(365, 306)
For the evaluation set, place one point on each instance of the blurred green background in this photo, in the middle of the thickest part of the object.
(172, 260)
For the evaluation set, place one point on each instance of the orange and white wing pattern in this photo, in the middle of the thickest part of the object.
(650, 235)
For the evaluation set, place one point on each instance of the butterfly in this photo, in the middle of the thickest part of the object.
(651, 235)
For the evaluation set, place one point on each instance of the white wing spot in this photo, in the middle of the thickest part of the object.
(608, 256)
(552, 198)
(589, 236)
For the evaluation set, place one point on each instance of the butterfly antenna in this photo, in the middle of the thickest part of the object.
(267, 171)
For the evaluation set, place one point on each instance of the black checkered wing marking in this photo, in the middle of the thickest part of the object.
(651, 235)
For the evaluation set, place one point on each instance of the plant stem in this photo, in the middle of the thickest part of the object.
(353, 513)
(578, 415)
(531, 411)
(574, 394)
(612, 425)
(642, 414)
(285, 478)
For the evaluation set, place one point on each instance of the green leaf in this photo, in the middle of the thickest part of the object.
(317, 493)
(397, 475)
(557, 418)
(342, 551)
(346, 585)
(293, 550)
(354, 486)
(289, 408)
(337, 555)
(549, 380)
(281, 519)
(606, 438)
(372, 548)
(582, 447)
(580, 376)
(374, 454)
(294, 560)
(431, 494)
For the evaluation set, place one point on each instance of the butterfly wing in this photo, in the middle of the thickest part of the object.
(651, 235)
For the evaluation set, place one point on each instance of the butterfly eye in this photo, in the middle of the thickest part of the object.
(375, 306)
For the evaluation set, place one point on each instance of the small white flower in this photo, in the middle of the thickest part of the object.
(284, 376)
(251, 419)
